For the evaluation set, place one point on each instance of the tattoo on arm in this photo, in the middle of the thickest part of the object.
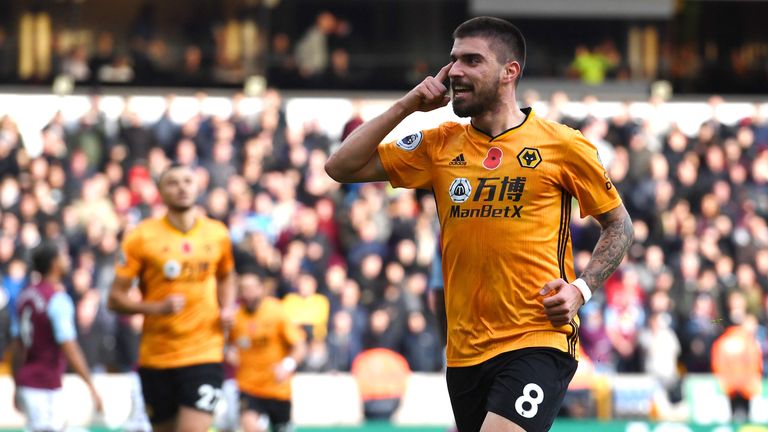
(615, 239)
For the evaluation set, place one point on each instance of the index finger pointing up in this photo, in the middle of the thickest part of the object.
(443, 74)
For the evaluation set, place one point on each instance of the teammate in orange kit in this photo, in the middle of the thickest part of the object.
(504, 185)
(184, 266)
(265, 347)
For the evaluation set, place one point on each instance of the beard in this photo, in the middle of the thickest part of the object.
(479, 101)
(179, 208)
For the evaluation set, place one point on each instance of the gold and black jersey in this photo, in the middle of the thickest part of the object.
(167, 261)
(504, 204)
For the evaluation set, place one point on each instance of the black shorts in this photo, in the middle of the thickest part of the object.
(526, 386)
(278, 411)
(165, 390)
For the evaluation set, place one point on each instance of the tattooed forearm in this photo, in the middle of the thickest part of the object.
(615, 239)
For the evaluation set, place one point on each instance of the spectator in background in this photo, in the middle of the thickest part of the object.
(595, 342)
(6, 312)
(192, 71)
(591, 66)
(11, 147)
(104, 54)
(738, 364)
(221, 167)
(91, 137)
(310, 310)
(7, 57)
(340, 74)
(699, 331)
(349, 301)
(75, 64)
(660, 351)
(160, 67)
(119, 71)
(624, 317)
(312, 50)
(281, 69)
(422, 346)
(343, 344)
(137, 139)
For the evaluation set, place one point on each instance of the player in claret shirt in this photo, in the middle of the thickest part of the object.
(184, 267)
(45, 339)
(504, 185)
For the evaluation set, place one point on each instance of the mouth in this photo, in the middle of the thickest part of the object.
(460, 90)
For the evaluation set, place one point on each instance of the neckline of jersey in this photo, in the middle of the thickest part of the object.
(528, 114)
(183, 233)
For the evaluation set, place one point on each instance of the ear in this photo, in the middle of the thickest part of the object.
(510, 72)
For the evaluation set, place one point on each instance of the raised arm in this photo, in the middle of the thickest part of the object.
(357, 159)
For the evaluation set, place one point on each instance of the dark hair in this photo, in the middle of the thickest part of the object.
(170, 167)
(507, 42)
(44, 256)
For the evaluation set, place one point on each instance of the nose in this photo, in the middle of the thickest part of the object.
(455, 70)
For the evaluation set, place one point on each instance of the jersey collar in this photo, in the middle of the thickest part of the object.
(480, 134)
(174, 229)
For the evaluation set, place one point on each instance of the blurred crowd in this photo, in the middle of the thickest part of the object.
(351, 261)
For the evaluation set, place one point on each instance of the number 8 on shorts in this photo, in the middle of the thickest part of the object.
(529, 399)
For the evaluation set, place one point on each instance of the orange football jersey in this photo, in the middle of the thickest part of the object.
(504, 205)
(263, 339)
(167, 261)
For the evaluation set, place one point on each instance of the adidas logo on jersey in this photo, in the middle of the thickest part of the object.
(458, 160)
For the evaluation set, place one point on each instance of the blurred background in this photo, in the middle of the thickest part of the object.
(97, 97)
(699, 46)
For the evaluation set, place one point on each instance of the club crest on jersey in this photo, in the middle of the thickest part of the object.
(493, 158)
(529, 157)
(171, 269)
(411, 141)
(460, 190)
(243, 342)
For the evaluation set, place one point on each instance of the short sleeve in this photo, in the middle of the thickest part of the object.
(61, 312)
(227, 261)
(407, 161)
(586, 179)
(129, 259)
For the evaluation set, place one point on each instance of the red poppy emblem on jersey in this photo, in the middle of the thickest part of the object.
(186, 247)
(493, 158)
